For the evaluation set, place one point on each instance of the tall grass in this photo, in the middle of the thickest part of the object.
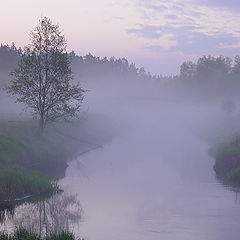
(23, 234)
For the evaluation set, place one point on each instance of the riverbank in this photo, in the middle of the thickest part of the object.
(30, 163)
(18, 183)
(227, 161)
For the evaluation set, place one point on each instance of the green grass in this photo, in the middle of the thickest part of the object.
(26, 156)
(20, 144)
(12, 150)
(16, 182)
(46, 154)
(23, 234)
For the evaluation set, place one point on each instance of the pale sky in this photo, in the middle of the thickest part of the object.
(156, 34)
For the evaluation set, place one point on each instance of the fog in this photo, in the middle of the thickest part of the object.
(155, 178)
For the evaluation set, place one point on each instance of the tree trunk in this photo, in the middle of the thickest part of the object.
(41, 125)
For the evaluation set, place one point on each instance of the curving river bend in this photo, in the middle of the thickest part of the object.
(155, 180)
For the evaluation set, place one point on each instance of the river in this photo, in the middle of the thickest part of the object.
(155, 180)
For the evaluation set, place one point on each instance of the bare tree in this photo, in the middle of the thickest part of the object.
(42, 79)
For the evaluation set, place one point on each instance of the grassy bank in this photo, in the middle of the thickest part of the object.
(17, 183)
(22, 234)
(227, 164)
(22, 162)
(28, 160)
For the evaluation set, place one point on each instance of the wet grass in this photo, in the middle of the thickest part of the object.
(23, 234)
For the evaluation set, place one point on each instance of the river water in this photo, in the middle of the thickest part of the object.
(155, 180)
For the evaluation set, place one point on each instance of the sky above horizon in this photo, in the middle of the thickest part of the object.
(156, 34)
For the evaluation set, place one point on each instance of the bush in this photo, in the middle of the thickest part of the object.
(227, 158)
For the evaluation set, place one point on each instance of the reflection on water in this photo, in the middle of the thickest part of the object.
(52, 215)
(7, 208)
(6, 211)
(234, 189)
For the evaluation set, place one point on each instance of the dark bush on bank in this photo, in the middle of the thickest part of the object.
(234, 175)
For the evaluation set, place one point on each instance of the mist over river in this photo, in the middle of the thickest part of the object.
(155, 180)
(125, 128)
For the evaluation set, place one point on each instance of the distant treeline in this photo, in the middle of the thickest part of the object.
(8, 57)
(217, 72)
(209, 67)
(87, 66)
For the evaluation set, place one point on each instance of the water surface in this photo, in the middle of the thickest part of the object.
(155, 180)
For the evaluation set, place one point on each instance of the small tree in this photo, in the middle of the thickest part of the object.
(42, 79)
